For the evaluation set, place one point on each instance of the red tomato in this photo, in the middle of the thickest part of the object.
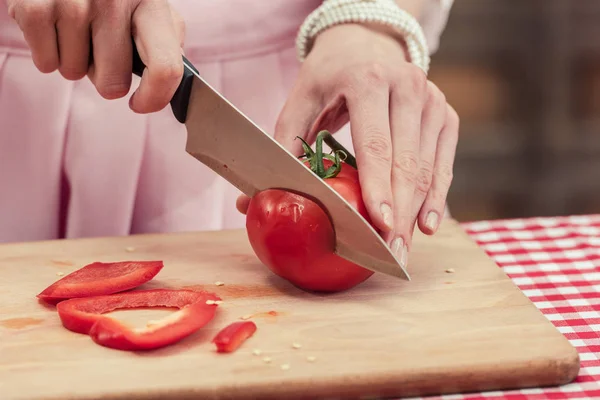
(293, 236)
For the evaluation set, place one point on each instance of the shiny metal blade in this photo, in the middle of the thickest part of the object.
(225, 140)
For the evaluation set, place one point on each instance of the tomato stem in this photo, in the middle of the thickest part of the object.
(338, 147)
(315, 158)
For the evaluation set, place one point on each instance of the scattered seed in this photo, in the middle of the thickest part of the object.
(219, 283)
(296, 345)
(210, 302)
(247, 316)
(450, 270)
(256, 352)
(285, 367)
(267, 359)
(311, 358)
(60, 273)
(130, 249)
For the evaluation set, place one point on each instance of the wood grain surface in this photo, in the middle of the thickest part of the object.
(442, 332)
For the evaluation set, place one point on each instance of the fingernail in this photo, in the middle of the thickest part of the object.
(404, 257)
(400, 250)
(432, 220)
(386, 211)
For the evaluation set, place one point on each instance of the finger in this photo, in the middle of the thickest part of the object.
(370, 130)
(160, 50)
(442, 172)
(296, 117)
(179, 25)
(406, 109)
(111, 72)
(73, 38)
(242, 203)
(432, 122)
(37, 19)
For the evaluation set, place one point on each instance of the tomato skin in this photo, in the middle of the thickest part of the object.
(293, 236)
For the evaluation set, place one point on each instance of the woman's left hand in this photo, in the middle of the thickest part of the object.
(404, 133)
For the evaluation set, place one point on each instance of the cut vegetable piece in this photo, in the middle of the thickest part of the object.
(99, 278)
(232, 336)
(84, 315)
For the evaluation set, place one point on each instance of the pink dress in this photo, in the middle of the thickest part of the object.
(75, 165)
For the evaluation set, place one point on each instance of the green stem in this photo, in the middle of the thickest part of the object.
(315, 158)
(338, 147)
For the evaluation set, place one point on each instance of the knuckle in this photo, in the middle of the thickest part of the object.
(374, 74)
(445, 174)
(168, 71)
(435, 97)
(365, 76)
(424, 178)
(407, 164)
(34, 12)
(416, 80)
(76, 12)
(378, 147)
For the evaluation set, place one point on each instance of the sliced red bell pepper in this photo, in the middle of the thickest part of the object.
(233, 335)
(100, 279)
(84, 315)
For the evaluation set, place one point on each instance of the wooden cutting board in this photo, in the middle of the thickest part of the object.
(440, 333)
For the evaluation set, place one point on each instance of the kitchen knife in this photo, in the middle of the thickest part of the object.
(229, 143)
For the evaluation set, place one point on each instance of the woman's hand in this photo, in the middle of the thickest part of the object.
(403, 131)
(62, 33)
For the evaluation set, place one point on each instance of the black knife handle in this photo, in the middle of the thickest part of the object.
(181, 98)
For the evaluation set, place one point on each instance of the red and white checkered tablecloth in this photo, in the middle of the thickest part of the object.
(556, 263)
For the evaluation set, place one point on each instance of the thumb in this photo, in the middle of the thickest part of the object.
(242, 203)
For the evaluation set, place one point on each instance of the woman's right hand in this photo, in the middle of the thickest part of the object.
(65, 34)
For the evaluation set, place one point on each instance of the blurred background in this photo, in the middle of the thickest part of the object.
(525, 78)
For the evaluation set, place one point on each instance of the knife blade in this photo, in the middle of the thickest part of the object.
(227, 141)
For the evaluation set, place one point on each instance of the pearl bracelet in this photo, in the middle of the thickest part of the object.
(386, 12)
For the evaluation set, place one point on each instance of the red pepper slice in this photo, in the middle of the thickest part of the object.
(233, 335)
(84, 315)
(100, 279)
